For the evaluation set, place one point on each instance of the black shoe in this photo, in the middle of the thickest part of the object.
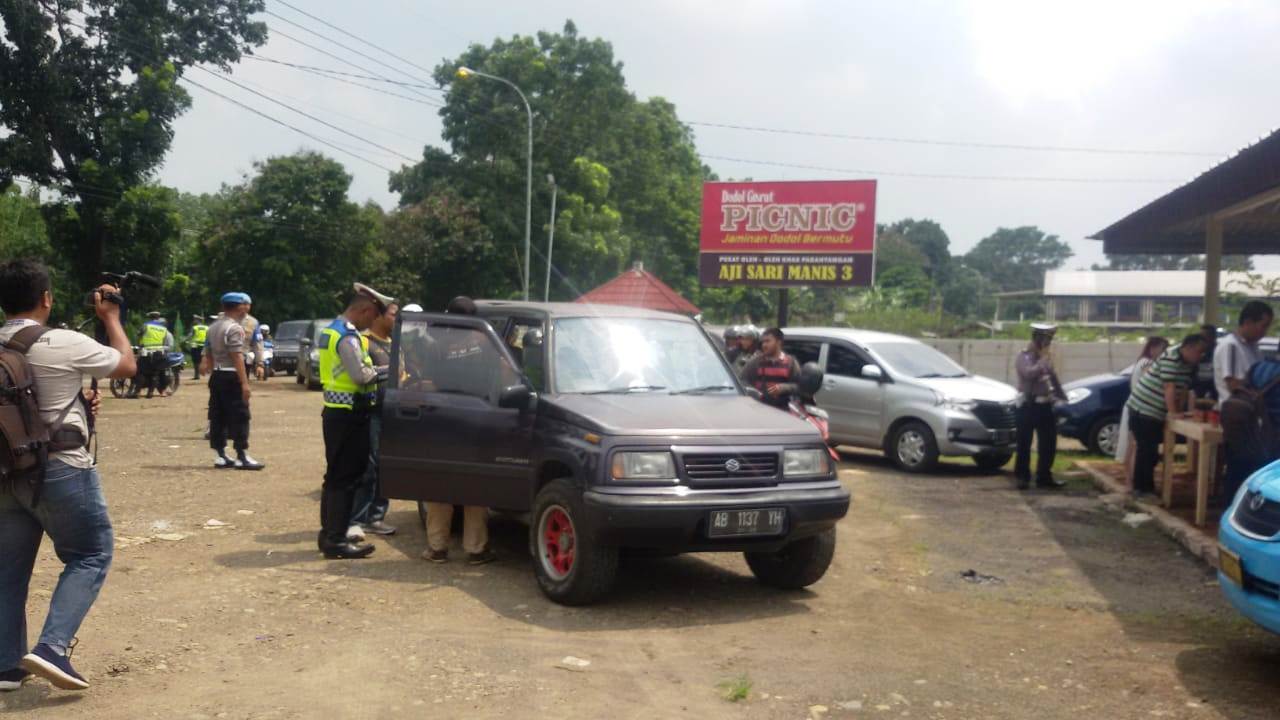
(484, 557)
(11, 680)
(55, 668)
(244, 462)
(436, 556)
(378, 527)
(1024, 483)
(346, 551)
(1051, 484)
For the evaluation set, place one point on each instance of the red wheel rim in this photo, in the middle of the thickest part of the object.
(559, 542)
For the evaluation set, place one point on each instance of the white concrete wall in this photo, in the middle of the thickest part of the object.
(995, 358)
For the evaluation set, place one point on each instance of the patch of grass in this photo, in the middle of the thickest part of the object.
(737, 689)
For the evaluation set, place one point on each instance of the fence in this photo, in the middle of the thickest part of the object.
(1072, 361)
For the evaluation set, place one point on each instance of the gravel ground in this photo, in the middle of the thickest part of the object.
(1068, 612)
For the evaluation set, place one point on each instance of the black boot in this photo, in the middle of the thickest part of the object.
(336, 515)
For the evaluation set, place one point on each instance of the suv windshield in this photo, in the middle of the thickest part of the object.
(918, 360)
(626, 355)
(291, 330)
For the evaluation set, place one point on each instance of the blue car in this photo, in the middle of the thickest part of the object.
(1249, 549)
(1091, 413)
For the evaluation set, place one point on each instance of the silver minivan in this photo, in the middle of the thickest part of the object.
(906, 398)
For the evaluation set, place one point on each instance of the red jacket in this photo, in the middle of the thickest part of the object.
(763, 372)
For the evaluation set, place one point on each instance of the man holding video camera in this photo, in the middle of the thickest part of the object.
(63, 497)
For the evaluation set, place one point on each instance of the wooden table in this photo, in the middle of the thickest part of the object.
(1203, 440)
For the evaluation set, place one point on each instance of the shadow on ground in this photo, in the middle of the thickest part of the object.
(682, 591)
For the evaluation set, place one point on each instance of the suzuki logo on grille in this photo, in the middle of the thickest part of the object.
(1256, 502)
(732, 465)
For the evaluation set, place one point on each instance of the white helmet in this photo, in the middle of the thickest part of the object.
(412, 307)
(266, 327)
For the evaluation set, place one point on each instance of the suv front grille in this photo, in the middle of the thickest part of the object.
(1253, 583)
(996, 416)
(1263, 522)
(702, 467)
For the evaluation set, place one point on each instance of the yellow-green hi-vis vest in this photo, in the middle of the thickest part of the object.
(340, 389)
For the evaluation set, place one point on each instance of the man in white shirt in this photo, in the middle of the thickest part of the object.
(1233, 357)
(65, 500)
(1237, 352)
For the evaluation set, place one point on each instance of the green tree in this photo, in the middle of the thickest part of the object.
(930, 239)
(1242, 263)
(1017, 258)
(628, 174)
(89, 94)
(291, 238)
(22, 228)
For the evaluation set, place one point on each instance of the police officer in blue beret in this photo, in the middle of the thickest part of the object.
(229, 385)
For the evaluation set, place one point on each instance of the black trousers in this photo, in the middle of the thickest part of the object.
(346, 454)
(196, 354)
(1036, 418)
(1148, 435)
(228, 412)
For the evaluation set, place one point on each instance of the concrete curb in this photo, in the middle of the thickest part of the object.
(1195, 540)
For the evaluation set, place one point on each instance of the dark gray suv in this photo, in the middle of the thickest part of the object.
(610, 428)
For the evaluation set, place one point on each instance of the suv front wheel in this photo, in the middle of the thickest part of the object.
(797, 565)
(571, 569)
(912, 447)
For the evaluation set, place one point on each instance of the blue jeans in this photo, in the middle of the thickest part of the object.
(369, 506)
(72, 510)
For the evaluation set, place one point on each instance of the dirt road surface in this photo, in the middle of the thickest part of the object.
(1070, 614)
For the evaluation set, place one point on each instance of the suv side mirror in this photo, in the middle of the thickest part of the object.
(305, 342)
(515, 397)
(872, 372)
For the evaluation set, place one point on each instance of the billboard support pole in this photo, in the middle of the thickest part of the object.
(784, 306)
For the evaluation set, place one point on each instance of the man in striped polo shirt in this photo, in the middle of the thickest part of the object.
(1156, 394)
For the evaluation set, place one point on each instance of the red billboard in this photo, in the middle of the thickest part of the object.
(820, 233)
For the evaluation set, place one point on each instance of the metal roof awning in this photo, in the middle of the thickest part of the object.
(1241, 194)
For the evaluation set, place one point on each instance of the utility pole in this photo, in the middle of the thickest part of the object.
(551, 237)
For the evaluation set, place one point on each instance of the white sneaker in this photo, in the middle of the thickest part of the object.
(222, 462)
(355, 532)
(246, 462)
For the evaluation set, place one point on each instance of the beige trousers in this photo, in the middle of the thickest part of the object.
(475, 527)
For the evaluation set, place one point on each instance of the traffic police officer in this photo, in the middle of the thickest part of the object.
(1038, 389)
(156, 340)
(350, 384)
(195, 341)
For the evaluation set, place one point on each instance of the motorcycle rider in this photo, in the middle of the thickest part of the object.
(268, 350)
(773, 372)
(155, 343)
(731, 349)
(748, 338)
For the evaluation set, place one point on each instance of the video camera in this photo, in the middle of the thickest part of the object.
(123, 281)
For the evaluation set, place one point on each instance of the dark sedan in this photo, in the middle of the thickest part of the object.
(1092, 411)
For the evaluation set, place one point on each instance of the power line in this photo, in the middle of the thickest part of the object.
(936, 176)
(330, 71)
(348, 48)
(296, 129)
(954, 143)
(322, 73)
(308, 115)
(379, 48)
(342, 60)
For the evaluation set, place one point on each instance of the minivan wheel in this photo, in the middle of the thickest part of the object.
(571, 570)
(913, 448)
(1104, 436)
(797, 565)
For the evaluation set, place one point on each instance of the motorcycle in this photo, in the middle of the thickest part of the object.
(805, 407)
(157, 370)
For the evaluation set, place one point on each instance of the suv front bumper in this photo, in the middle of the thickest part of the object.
(678, 522)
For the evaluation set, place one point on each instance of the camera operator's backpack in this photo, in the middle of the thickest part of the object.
(25, 438)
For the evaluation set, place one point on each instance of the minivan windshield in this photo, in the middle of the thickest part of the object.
(917, 360)
(596, 355)
(292, 330)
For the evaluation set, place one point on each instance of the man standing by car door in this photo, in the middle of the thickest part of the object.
(772, 372)
(370, 508)
(1037, 389)
(350, 384)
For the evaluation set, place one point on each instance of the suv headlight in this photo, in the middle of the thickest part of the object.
(643, 466)
(1076, 395)
(956, 403)
(315, 356)
(804, 462)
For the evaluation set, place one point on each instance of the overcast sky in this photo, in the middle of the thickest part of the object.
(1160, 75)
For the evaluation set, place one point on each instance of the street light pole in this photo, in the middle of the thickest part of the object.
(551, 237)
(465, 72)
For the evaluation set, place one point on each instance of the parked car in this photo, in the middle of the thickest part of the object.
(1092, 411)
(1249, 549)
(610, 428)
(906, 398)
(288, 340)
(309, 372)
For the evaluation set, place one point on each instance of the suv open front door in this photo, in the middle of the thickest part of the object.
(457, 419)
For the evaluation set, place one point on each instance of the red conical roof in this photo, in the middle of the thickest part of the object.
(639, 288)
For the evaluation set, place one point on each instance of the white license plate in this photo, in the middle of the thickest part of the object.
(739, 523)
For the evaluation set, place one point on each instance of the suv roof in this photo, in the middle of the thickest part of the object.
(572, 309)
(861, 337)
